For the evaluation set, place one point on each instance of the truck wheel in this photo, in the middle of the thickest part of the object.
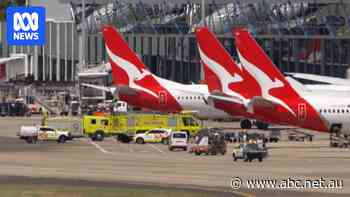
(245, 158)
(165, 141)
(260, 159)
(246, 124)
(123, 138)
(62, 139)
(140, 141)
(250, 159)
(185, 149)
(29, 140)
(234, 157)
(99, 136)
(262, 125)
(170, 148)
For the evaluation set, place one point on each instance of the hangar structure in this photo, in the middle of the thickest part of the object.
(308, 36)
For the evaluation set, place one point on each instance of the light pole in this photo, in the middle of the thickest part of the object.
(203, 13)
(83, 35)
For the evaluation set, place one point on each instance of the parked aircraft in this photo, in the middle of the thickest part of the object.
(272, 99)
(134, 84)
(317, 111)
(227, 83)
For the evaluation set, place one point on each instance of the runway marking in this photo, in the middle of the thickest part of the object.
(100, 148)
(130, 149)
(156, 148)
(121, 145)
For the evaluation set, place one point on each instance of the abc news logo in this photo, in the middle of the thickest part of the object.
(26, 25)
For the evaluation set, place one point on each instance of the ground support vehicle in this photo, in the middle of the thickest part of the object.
(125, 126)
(153, 136)
(71, 124)
(249, 152)
(178, 140)
(274, 136)
(32, 134)
(231, 137)
(209, 141)
(338, 140)
(295, 135)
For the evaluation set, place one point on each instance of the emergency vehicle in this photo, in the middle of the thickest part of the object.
(154, 136)
(122, 125)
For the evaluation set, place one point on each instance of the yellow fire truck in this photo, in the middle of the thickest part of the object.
(125, 126)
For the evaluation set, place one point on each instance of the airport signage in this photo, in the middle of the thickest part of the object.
(26, 25)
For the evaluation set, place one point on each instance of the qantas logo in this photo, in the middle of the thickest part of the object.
(132, 71)
(265, 82)
(224, 76)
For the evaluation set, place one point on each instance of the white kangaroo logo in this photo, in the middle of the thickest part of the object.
(265, 82)
(32, 21)
(224, 76)
(131, 70)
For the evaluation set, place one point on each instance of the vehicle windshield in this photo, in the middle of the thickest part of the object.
(179, 135)
(189, 121)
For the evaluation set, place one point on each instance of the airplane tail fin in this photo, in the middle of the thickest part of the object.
(275, 87)
(210, 54)
(222, 73)
(257, 62)
(126, 65)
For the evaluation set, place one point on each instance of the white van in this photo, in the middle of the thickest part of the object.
(178, 140)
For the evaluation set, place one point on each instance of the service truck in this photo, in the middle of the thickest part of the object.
(125, 126)
(31, 134)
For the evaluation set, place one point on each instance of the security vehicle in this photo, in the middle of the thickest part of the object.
(125, 126)
(248, 152)
(178, 140)
(31, 134)
(154, 136)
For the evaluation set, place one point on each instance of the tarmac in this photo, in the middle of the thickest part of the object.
(109, 163)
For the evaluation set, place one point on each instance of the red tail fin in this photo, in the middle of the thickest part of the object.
(221, 71)
(256, 61)
(125, 64)
(274, 85)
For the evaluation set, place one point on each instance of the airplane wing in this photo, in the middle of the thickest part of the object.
(7, 59)
(103, 88)
(125, 90)
(297, 85)
(319, 79)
